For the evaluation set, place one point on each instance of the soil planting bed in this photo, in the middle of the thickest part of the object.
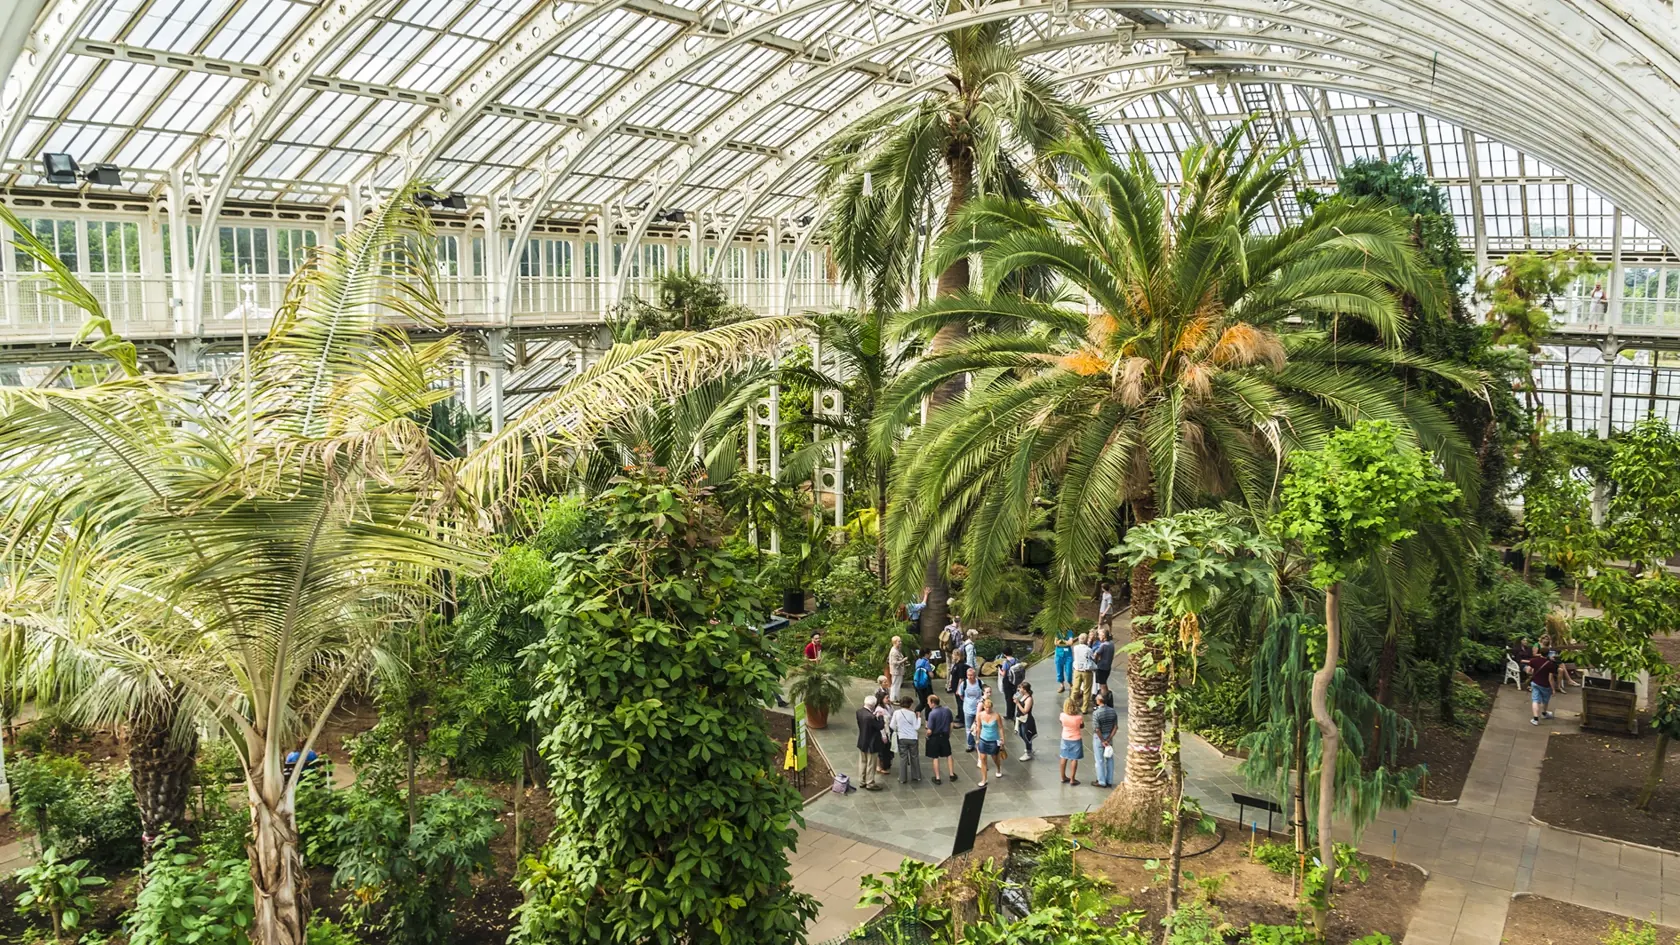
(1536, 921)
(818, 777)
(1590, 782)
(1446, 749)
(1252, 893)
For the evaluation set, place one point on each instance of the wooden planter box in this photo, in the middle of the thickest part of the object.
(1609, 705)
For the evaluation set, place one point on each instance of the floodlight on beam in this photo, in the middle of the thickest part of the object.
(60, 168)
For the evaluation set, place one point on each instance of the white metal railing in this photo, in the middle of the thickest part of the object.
(148, 307)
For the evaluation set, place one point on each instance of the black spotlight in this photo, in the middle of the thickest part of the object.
(60, 168)
(455, 201)
(805, 220)
(105, 175)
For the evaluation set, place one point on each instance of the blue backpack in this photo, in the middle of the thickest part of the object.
(924, 679)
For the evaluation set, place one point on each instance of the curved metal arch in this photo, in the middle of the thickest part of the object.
(1388, 91)
(722, 127)
(47, 44)
(248, 120)
(1472, 59)
(1518, 102)
(1352, 82)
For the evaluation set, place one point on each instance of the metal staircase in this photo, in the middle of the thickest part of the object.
(1269, 130)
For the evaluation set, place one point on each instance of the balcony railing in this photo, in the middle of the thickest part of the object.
(147, 307)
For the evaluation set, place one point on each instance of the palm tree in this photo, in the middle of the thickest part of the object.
(882, 176)
(258, 541)
(1203, 352)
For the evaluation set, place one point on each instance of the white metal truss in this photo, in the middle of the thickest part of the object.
(1590, 88)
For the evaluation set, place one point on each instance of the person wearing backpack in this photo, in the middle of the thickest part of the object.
(1008, 680)
(922, 680)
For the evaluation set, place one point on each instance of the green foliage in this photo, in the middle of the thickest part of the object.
(1633, 932)
(58, 890)
(672, 820)
(1375, 938)
(904, 896)
(82, 812)
(407, 880)
(1195, 923)
(1476, 657)
(1211, 886)
(1403, 182)
(1527, 288)
(1280, 858)
(1079, 824)
(1281, 684)
(189, 897)
(1665, 716)
(682, 301)
(1056, 925)
(327, 932)
(1558, 524)
(1281, 935)
(1219, 710)
(1503, 607)
(1349, 866)
(820, 684)
(1367, 488)
(319, 807)
(1643, 527)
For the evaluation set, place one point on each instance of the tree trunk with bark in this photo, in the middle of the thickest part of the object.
(959, 169)
(1136, 804)
(160, 768)
(279, 884)
(1329, 736)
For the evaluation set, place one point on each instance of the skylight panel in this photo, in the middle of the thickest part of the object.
(181, 27)
(383, 54)
(1495, 159)
(485, 19)
(542, 80)
(591, 83)
(441, 64)
(256, 31)
(1446, 149)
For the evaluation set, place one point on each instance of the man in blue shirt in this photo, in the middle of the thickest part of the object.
(1103, 656)
(970, 690)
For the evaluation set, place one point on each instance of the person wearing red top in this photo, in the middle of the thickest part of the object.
(813, 650)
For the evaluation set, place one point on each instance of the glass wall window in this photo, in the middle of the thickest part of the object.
(243, 250)
(292, 249)
(113, 246)
(60, 237)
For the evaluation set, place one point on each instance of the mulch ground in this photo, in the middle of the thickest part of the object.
(1536, 921)
(818, 777)
(1447, 750)
(1591, 781)
(1253, 893)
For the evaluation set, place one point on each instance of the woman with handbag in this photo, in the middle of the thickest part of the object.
(988, 737)
(1025, 726)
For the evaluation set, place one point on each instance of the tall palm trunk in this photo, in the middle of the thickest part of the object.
(1137, 805)
(160, 767)
(959, 167)
(278, 882)
(1329, 736)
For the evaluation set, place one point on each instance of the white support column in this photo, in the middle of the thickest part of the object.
(606, 271)
(1474, 169)
(180, 253)
(469, 384)
(1600, 495)
(1618, 273)
(697, 245)
(778, 276)
(496, 341)
(776, 451)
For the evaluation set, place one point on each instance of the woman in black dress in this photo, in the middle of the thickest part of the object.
(1025, 725)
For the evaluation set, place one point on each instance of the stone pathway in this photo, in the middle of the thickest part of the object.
(828, 866)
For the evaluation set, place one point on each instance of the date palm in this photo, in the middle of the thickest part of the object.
(1202, 352)
(882, 176)
(257, 541)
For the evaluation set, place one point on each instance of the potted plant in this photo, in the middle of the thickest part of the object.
(821, 685)
(805, 555)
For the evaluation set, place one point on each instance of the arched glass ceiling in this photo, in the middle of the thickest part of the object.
(555, 108)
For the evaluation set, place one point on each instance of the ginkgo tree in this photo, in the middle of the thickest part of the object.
(1364, 490)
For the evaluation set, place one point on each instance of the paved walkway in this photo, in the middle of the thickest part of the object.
(828, 866)
(1479, 852)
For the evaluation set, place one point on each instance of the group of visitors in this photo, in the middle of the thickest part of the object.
(896, 726)
(1084, 664)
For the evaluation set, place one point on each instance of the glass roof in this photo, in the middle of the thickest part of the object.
(698, 102)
